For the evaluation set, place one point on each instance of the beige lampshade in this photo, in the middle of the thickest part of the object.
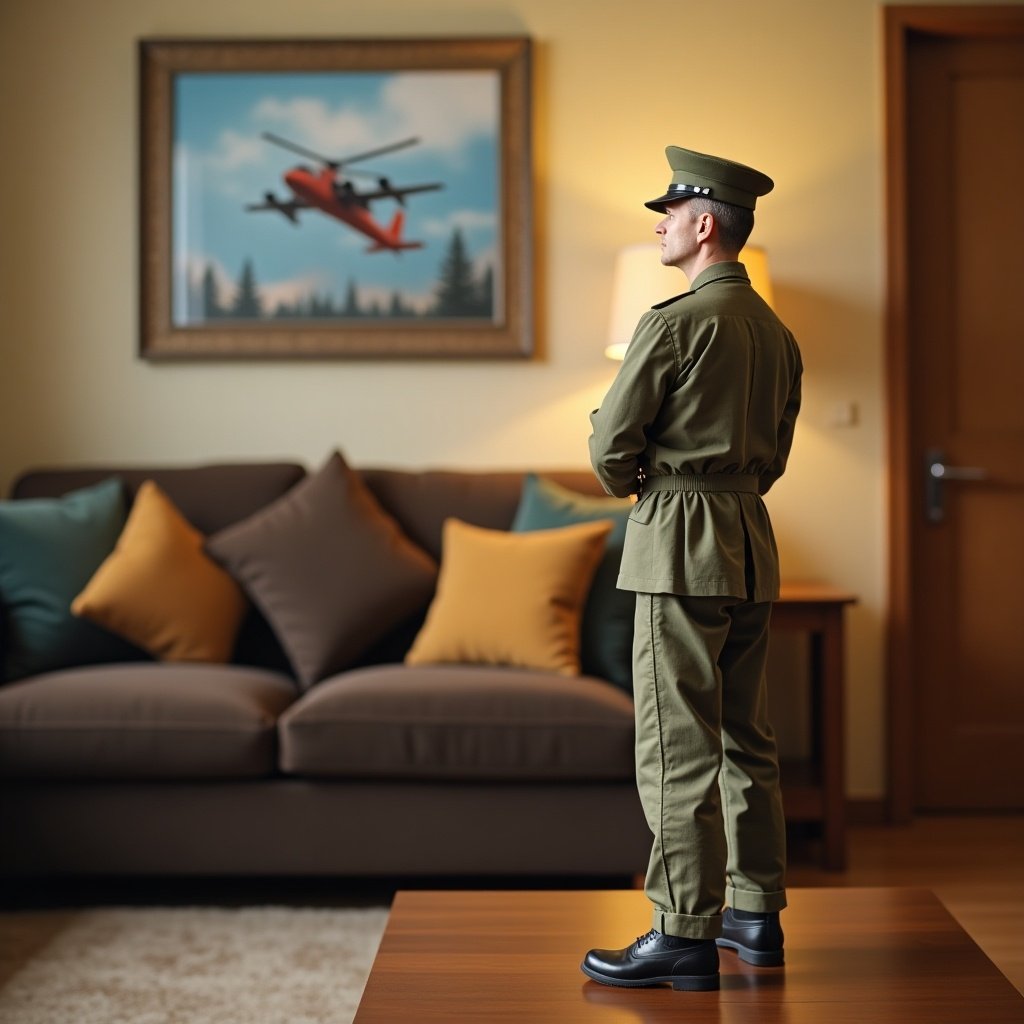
(642, 281)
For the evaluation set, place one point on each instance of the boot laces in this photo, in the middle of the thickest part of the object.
(642, 940)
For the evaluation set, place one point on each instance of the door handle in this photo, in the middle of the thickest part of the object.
(937, 472)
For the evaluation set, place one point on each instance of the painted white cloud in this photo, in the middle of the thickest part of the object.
(312, 123)
(233, 168)
(486, 259)
(191, 268)
(381, 297)
(235, 151)
(290, 291)
(445, 111)
(467, 220)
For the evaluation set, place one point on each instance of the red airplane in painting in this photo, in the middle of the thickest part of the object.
(326, 190)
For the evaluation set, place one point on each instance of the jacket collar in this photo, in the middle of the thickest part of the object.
(730, 269)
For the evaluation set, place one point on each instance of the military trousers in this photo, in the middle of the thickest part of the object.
(706, 761)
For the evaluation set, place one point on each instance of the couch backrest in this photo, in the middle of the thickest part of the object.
(421, 501)
(210, 497)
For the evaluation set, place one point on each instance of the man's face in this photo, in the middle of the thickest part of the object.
(678, 231)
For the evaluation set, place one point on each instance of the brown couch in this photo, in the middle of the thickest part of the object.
(160, 768)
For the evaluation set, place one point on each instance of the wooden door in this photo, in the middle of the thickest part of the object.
(964, 310)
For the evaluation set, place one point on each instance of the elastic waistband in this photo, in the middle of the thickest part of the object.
(744, 483)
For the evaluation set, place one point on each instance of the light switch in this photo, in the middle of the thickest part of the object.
(844, 414)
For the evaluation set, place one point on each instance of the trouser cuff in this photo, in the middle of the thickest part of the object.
(755, 902)
(686, 926)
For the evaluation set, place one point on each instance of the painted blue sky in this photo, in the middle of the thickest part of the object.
(221, 164)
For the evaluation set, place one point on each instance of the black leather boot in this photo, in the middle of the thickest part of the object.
(757, 938)
(656, 959)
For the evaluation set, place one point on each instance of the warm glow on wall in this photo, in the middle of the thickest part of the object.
(641, 281)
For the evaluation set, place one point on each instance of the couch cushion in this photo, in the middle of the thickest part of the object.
(459, 722)
(159, 589)
(143, 721)
(511, 598)
(49, 548)
(606, 633)
(329, 568)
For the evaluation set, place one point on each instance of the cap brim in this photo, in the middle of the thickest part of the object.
(658, 205)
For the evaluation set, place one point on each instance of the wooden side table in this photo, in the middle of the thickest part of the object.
(815, 790)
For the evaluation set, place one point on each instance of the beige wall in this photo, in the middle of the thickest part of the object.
(793, 87)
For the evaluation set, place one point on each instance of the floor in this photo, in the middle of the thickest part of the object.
(975, 865)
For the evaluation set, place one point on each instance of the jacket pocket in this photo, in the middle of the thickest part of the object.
(643, 511)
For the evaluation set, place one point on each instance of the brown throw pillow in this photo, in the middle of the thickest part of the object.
(511, 598)
(331, 571)
(160, 591)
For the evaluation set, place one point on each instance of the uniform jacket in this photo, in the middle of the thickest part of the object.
(710, 385)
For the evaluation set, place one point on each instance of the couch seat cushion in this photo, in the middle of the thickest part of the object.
(143, 721)
(459, 722)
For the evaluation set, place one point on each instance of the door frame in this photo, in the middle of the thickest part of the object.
(900, 24)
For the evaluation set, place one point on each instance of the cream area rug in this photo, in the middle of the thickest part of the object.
(186, 965)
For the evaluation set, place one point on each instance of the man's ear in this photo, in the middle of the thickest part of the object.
(705, 226)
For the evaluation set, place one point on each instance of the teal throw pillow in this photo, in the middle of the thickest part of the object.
(606, 633)
(49, 549)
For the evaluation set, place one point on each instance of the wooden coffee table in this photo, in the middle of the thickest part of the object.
(852, 955)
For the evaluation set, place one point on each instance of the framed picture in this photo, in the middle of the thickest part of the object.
(353, 198)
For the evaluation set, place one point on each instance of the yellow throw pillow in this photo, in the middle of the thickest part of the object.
(160, 591)
(511, 598)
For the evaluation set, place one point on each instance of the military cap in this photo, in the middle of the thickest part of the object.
(697, 174)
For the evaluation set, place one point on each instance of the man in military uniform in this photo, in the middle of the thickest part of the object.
(699, 423)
